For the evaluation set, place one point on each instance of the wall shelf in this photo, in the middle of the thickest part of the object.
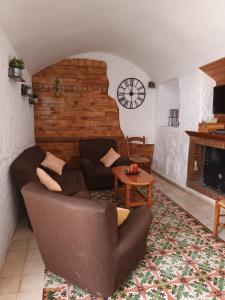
(15, 78)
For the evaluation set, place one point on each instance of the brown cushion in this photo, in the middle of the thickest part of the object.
(122, 214)
(53, 163)
(110, 157)
(71, 181)
(24, 167)
(48, 181)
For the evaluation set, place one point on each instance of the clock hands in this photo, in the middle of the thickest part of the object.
(132, 93)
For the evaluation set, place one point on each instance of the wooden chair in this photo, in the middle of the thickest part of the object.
(217, 215)
(141, 159)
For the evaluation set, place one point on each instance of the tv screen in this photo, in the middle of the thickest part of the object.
(219, 100)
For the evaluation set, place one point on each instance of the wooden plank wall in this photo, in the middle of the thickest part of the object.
(83, 110)
(216, 70)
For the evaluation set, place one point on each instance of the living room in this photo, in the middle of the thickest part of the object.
(78, 80)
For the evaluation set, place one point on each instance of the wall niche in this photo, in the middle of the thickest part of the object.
(168, 99)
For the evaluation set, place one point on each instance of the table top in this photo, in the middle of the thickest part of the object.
(143, 178)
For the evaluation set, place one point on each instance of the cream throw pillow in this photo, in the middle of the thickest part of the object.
(110, 157)
(53, 163)
(122, 214)
(48, 181)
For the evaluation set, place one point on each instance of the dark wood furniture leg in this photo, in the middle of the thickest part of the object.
(216, 218)
(127, 195)
(149, 195)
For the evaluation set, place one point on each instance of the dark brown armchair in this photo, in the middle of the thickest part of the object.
(23, 170)
(80, 241)
(97, 176)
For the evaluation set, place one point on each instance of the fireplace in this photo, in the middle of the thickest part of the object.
(214, 169)
(206, 164)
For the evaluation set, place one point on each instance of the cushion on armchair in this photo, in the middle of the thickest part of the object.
(95, 149)
(98, 176)
(53, 163)
(48, 181)
(71, 181)
(110, 157)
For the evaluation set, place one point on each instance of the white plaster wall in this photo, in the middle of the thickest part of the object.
(16, 133)
(172, 144)
(207, 85)
(133, 122)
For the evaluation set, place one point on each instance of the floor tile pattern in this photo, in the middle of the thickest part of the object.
(183, 261)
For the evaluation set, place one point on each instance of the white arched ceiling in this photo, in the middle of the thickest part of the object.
(165, 38)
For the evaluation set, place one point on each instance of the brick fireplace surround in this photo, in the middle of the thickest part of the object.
(198, 141)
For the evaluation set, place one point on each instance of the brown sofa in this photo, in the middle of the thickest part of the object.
(80, 241)
(23, 170)
(97, 176)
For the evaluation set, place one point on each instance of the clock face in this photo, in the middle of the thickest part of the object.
(131, 93)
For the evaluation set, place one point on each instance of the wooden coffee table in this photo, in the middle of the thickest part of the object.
(129, 191)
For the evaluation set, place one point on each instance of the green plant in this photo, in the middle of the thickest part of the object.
(16, 63)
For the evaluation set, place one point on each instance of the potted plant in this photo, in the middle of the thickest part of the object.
(16, 66)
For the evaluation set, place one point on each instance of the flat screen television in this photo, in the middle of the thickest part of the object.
(219, 100)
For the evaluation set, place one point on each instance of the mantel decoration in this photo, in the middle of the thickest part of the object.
(16, 66)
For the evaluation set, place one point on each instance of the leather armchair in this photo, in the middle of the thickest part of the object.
(97, 176)
(80, 241)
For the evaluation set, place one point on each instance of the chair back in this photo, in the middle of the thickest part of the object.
(95, 149)
(135, 140)
(23, 169)
(77, 238)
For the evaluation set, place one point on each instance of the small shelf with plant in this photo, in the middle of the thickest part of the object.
(16, 67)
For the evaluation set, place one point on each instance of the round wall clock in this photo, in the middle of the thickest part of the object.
(131, 93)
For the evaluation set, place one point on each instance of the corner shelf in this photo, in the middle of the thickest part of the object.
(18, 79)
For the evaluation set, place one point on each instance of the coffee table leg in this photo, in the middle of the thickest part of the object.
(127, 195)
(149, 195)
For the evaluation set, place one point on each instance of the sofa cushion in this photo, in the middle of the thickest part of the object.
(110, 157)
(53, 163)
(71, 181)
(122, 214)
(48, 181)
(103, 172)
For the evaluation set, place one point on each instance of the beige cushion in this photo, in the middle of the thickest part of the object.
(48, 181)
(110, 157)
(122, 214)
(53, 163)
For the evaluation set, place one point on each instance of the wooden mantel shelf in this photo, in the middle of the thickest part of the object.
(207, 135)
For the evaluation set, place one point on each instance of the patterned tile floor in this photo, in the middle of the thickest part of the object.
(22, 276)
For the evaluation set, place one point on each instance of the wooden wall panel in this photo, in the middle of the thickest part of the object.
(216, 70)
(83, 110)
